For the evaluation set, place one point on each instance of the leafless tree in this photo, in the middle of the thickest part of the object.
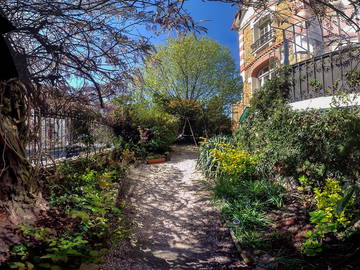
(90, 41)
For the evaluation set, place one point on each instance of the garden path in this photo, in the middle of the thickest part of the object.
(174, 224)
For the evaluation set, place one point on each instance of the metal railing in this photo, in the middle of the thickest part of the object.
(311, 38)
(265, 38)
(322, 55)
(325, 75)
(55, 137)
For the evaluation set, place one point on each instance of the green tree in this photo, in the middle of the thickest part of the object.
(188, 72)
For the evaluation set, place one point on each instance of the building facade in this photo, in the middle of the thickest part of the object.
(285, 33)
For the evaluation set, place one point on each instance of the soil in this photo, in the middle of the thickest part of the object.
(174, 224)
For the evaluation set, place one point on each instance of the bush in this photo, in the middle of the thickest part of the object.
(129, 118)
(311, 143)
(301, 147)
(82, 223)
(206, 161)
(304, 148)
(244, 202)
(327, 218)
(164, 128)
(233, 162)
(315, 143)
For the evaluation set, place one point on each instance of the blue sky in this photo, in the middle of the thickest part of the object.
(219, 18)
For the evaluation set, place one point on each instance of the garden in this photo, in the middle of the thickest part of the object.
(79, 160)
(86, 98)
(84, 213)
(287, 181)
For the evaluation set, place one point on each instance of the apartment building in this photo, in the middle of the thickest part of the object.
(286, 33)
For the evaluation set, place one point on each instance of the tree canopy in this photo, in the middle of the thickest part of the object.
(191, 68)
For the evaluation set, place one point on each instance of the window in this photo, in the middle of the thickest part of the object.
(263, 75)
(264, 29)
(263, 34)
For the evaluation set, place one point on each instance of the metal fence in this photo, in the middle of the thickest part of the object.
(313, 37)
(322, 55)
(325, 75)
(55, 137)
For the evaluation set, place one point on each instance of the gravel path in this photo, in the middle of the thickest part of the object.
(174, 224)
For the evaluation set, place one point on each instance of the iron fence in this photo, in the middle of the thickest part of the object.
(322, 55)
(325, 75)
(55, 137)
(313, 37)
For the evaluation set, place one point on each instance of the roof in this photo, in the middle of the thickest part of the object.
(238, 17)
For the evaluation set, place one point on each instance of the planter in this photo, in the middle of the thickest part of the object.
(155, 160)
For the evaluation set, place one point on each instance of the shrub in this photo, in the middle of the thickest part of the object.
(243, 203)
(326, 218)
(206, 161)
(129, 117)
(278, 143)
(314, 143)
(164, 128)
(82, 194)
(304, 148)
(233, 162)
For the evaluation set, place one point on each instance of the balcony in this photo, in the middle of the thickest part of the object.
(262, 41)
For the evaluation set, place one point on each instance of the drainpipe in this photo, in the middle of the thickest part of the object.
(286, 49)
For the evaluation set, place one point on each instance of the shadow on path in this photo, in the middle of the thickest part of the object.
(174, 224)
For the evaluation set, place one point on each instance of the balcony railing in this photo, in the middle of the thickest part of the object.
(265, 38)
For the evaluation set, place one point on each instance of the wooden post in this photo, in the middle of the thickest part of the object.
(192, 133)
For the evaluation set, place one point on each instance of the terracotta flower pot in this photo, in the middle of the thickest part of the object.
(156, 160)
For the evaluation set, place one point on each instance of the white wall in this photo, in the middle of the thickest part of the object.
(326, 102)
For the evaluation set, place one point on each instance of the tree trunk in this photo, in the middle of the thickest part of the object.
(20, 198)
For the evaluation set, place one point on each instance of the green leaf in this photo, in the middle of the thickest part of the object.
(29, 265)
(94, 253)
(73, 252)
(81, 214)
(17, 265)
(341, 205)
(45, 265)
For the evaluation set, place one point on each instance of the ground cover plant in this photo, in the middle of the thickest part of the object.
(83, 219)
(311, 159)
(244, 201)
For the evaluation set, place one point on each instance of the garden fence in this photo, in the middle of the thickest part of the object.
(55, 137)
(322, 54)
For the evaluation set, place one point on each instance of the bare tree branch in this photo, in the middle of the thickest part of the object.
(64, 42)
